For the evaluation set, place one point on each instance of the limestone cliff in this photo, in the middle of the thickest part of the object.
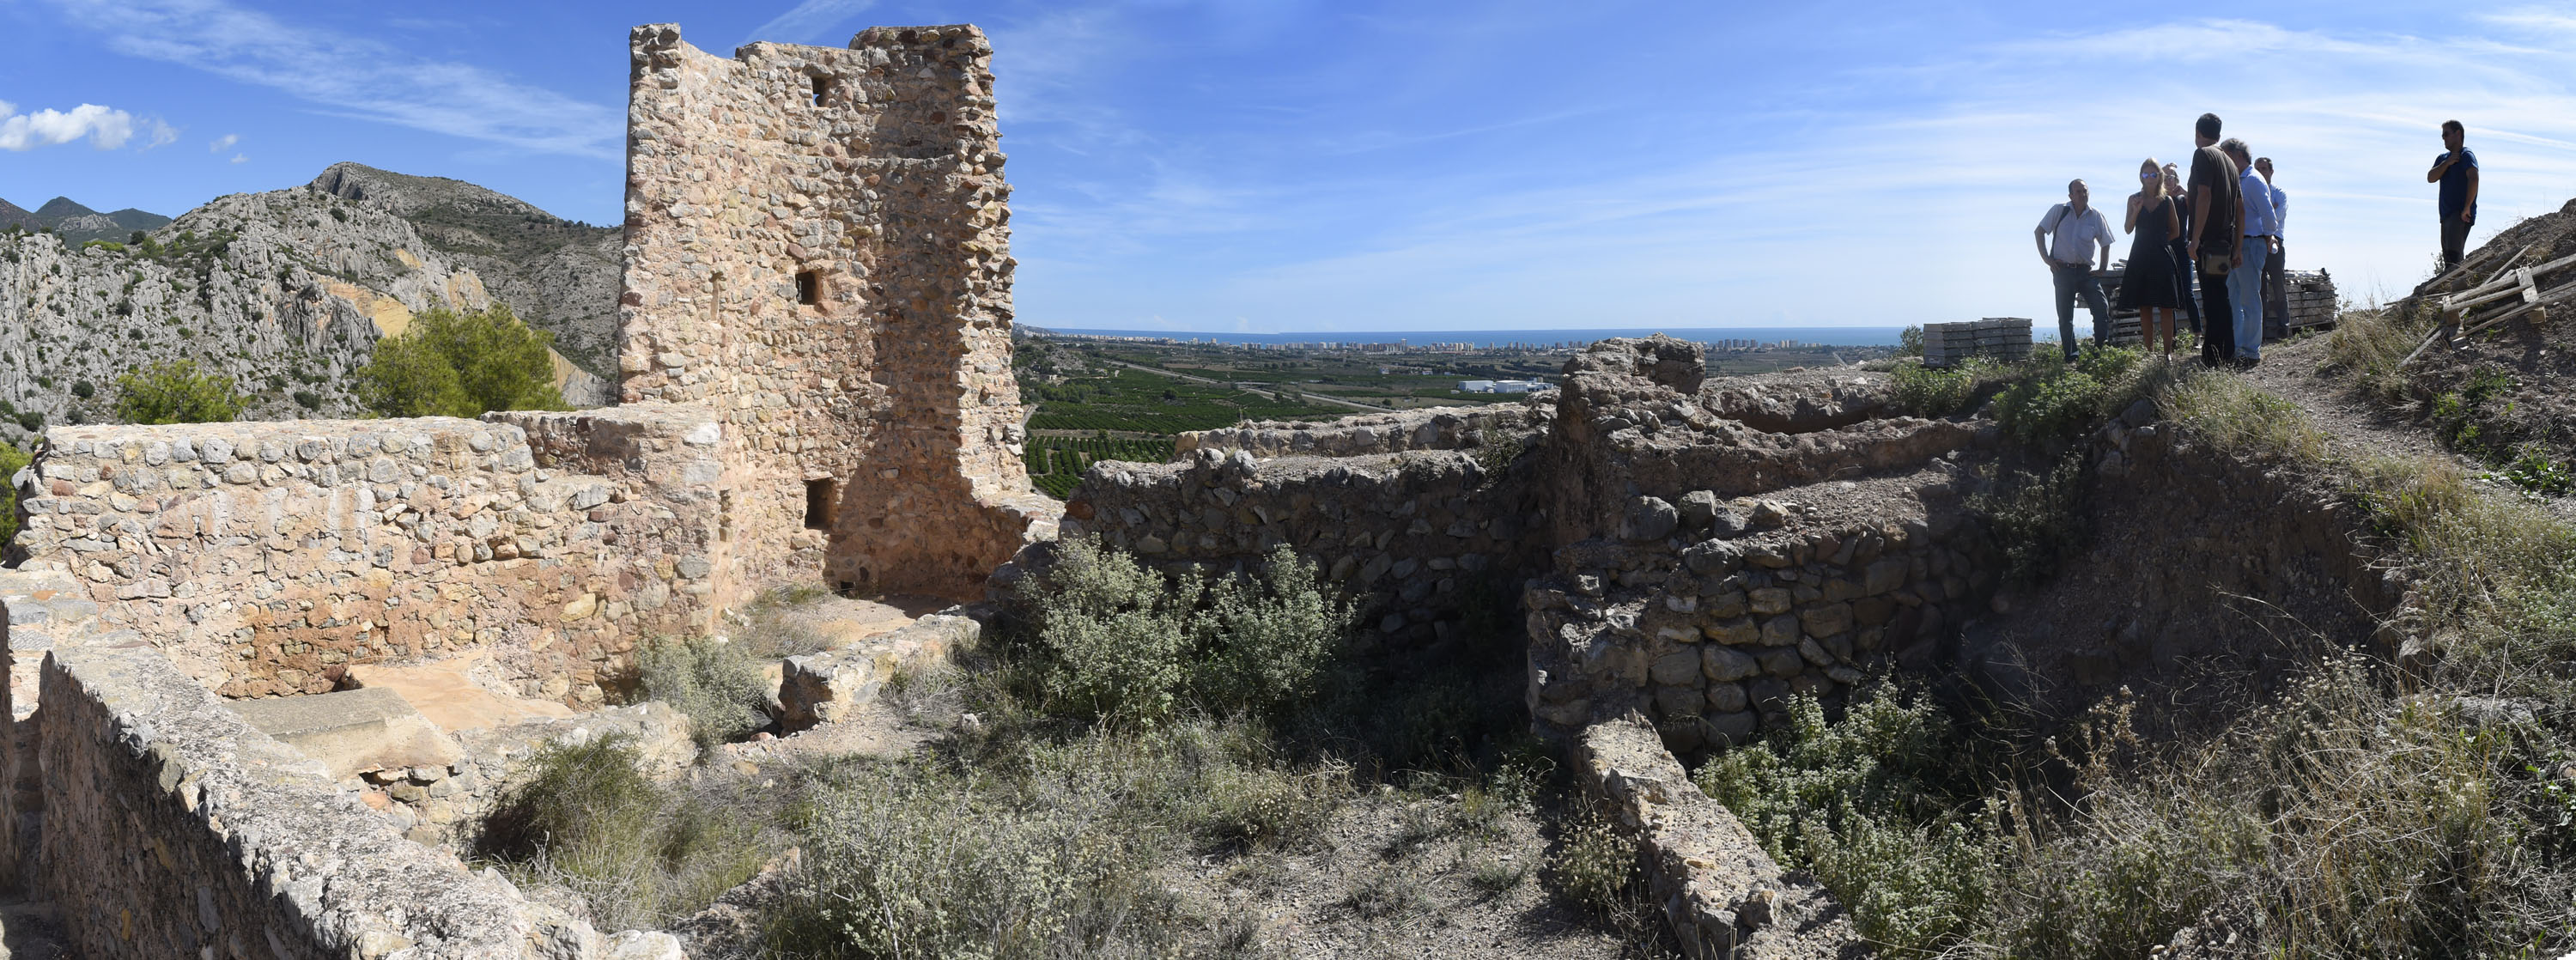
(557, 274)
(287, 292)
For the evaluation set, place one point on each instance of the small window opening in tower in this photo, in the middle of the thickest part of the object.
(822, 90)
(808, 289)
(818, 504)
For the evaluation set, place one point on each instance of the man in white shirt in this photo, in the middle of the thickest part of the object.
(2276, 282)
(2068, 237)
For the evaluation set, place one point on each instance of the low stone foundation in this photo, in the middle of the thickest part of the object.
(265, 558)
(165, 826)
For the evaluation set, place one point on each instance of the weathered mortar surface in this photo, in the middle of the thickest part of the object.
(263, 558)
(896, 383)
(1429, 428)
(1418, 535)
(171, 827)
(1721, 895)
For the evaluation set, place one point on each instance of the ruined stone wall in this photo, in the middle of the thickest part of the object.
(1421, 536)
(171, 828)
(818, 248)
(1709, 627)
(1429, 428)
(263, 558)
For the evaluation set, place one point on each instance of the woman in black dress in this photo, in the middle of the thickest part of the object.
(2148, 284)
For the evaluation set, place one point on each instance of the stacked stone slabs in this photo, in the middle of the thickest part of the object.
(818, 247)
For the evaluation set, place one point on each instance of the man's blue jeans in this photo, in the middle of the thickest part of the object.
(2074, 279)
(2245, 299)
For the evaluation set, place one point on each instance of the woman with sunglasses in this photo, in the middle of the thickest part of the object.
(2148, 285)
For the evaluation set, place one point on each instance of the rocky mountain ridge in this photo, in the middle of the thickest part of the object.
(78, 224)
(287, 292)
(557, 274)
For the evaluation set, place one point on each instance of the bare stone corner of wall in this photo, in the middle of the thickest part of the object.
(828, 687)
(1721, 894)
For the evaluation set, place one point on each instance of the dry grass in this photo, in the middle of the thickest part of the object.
(2368, 344)
(2368, 811)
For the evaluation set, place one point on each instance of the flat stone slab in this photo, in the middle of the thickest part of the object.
(352, 731)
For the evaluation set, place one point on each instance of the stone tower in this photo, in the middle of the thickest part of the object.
(818, 246)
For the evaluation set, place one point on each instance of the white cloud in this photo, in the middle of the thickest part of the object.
(223, 143)
(352, 75)
(807, 21)
(240, 158)
(106, 129)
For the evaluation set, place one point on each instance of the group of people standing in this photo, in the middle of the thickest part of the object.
(2206, 249)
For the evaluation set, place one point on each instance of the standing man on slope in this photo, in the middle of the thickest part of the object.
(2457, 171)
(2079, 229)
(2276, 280)
(2216, 207)
(2245, 283)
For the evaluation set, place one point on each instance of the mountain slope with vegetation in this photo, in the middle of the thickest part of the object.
(559, 275)
(78, 224)
(285, 294)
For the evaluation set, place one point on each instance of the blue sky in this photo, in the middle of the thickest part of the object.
(1288, 165)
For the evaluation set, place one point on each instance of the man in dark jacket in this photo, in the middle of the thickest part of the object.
(2217, 205)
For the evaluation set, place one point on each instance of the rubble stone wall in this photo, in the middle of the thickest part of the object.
(1429, 428)
(1424, 536)
(172, 828)
(818, 248)
(263, 558)
(1710, 630)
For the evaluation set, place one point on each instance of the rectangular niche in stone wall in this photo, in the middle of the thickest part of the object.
(809, 289)
(822, 91)
(818, 504)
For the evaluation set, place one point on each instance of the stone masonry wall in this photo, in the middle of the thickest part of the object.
(263, 558)
(171, 828)
(818, 247)
(1709, 627)
(1429, 428)
(1421, 535)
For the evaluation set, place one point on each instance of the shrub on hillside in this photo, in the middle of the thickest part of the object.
(461, 365)
(1122, 642)
(175, 392)
(1017, 846)
(719, 685)
(12, 460)
(639, 854)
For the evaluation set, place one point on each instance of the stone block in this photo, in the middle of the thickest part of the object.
(1726, 664)
(1677, 667)
(1678, 701)
(1738, 631)
(1726, 698)
(1783, 662)
(1770, 600)
(1826, 620)
(352, 731)
(1780, 631)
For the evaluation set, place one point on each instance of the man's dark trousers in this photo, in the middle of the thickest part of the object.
(2455, 242)
(2073, 279)
(2218, 336)
(2276, 298)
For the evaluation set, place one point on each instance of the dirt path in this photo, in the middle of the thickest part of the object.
(2357, 429)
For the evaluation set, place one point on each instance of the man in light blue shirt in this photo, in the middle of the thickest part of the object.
(2067, 236)
(2245, 283)
(2276, 281)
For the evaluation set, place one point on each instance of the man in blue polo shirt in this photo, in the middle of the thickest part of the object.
(2457, 171)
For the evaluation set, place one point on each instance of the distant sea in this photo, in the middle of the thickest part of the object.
(1829, 336)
